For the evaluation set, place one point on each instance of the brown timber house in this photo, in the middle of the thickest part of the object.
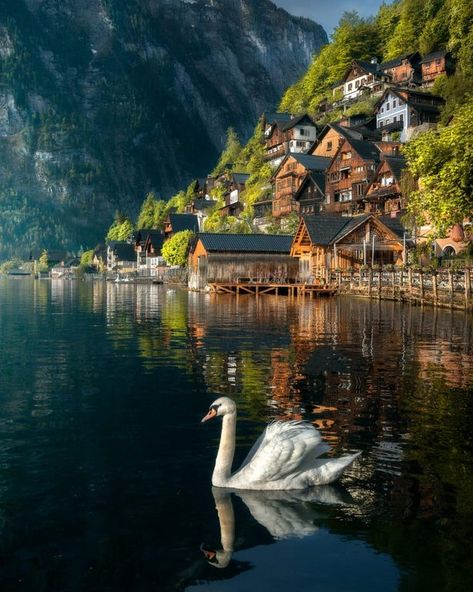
(324, 243)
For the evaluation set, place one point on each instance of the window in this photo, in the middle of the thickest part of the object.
(404, 75)
(329, 146)
(382, 109)
(427, 66)
(302, 131)
(346, 155)
(401, 117)
(395, 119)
(387, 122)
(350, 86)
(438, 62)
(357, 83)
(388, 106)
(359, 189)
(394, 104)
(359, 169)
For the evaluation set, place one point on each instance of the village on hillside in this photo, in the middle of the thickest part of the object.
(335, 200)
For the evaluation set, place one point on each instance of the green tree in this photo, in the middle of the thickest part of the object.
(121, 229)
(176, 249)
(230, 154)
(146, 217)
(441, 160)
(354, 38)
(43, 262)
(87, 257)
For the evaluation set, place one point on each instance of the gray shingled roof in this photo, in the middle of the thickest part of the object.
(397, 61)
(204, 204)
(367, 150)
(123, 251)
(323, 228)
(296, 120)
(310, 162)
(246, 243)
(280, 119)
(241, 178)
(368, 66)
(327, 229)
(394, 224)
(433, 56)
(180, 222)
(353, 222)
(397, 164)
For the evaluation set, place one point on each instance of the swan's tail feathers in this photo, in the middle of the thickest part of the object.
(331, 469)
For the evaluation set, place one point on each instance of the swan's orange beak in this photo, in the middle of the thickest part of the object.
(210, 415)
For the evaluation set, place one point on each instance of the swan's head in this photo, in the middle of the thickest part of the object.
(218, 559)
(220, 407)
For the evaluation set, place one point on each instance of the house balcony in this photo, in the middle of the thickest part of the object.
(273, 153)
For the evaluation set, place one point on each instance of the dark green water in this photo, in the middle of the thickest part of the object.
(105, 468)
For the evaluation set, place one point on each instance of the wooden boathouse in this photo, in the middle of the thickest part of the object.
(254, 264)
(230, 259)
(325, 243)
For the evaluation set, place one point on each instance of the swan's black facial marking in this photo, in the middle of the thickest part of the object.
(215, 407)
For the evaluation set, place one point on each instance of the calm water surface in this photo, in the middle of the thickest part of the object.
(105, 467)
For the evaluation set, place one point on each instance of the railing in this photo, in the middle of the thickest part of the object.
(443, 287)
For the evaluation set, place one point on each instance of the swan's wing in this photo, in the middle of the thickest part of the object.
(284, 449)
(281, 518)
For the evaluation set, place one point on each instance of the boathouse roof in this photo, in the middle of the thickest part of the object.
(247, 243)
(180, 222)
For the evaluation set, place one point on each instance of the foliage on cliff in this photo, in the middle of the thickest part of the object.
(442, 161)
(399, 28)
(102, 102)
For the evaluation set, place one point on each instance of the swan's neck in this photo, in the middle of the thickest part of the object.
(226, 518)
(226, 450)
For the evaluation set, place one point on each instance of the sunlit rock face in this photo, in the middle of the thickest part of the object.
(102, 101)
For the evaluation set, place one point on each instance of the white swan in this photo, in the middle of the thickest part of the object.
(284, 457)
(285, 515)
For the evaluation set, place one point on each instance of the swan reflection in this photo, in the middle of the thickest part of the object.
(284, 514)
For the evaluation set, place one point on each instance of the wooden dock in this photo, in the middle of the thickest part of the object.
(276, 289)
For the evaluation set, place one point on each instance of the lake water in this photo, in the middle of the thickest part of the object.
(105, 468)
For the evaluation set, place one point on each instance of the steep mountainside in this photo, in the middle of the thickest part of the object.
(104, 100)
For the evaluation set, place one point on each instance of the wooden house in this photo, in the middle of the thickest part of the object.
(232, 257)
(362, 77)
(324, 243)
(121, 257)
(288, 178)
(404, 70)
(285, 133)
(148, 245)
(234, 187)
(180, 222)
(384, 195)
(310, 196)
(400, 109)
(350, 172)
(434, 65)
(334, 134)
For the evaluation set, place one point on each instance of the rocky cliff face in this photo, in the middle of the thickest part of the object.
(104, 100)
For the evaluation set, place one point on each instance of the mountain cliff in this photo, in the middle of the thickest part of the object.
(102, 101)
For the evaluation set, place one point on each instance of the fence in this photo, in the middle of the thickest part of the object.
(445, 287)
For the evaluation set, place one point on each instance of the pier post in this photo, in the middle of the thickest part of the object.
(467, 278)
(370, 281)
(435, 287)
(409, 282)
(450, 286)
(421, 280)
